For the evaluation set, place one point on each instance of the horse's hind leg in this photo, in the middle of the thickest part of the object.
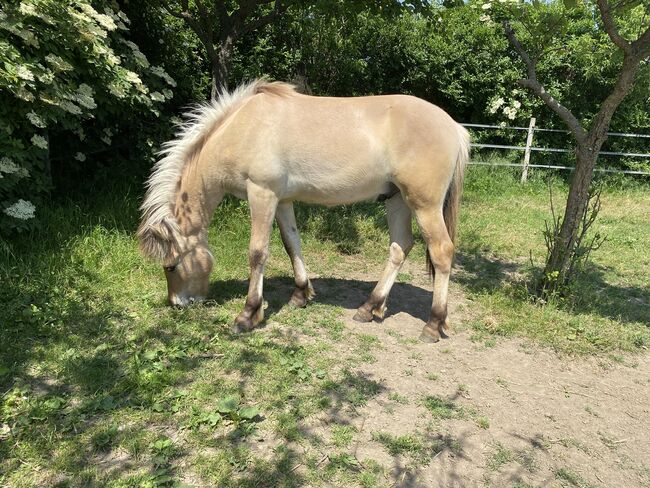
(401, 242)
(262, 203)
(291, 239)
(440, 252)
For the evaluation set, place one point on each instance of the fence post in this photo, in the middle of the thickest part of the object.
(529, 143)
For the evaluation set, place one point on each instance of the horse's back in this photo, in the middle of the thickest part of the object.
(336, 150)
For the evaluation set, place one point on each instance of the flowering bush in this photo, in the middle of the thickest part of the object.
(66, 70)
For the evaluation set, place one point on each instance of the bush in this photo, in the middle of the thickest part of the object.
(68, 75)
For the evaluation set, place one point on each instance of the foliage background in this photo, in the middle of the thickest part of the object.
(86, 98)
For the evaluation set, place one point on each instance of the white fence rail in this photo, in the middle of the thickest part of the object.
(528, 149)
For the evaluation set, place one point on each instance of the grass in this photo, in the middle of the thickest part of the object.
(103, 385)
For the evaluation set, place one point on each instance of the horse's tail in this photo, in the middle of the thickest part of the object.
(452, 200)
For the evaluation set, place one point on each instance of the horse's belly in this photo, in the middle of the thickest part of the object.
(336, 185)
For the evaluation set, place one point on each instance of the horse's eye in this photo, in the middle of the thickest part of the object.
(170, 269)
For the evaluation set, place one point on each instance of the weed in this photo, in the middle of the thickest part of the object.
(396, 397)
(342, 435)
(483, 422)
(441, 408)
(499, 456)
(572, 478)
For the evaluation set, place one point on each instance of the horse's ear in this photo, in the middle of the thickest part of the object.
(157, 240)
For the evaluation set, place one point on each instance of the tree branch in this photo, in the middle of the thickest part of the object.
(610, 27)
(536, 87)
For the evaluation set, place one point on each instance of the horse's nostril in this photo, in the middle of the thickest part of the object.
(191, 299)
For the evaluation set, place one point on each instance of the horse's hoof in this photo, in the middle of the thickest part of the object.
(298, 299)
(242, 325)
(362, 315)
(429, 334)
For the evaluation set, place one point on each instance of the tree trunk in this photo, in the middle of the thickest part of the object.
(560, 258)
(221, 67)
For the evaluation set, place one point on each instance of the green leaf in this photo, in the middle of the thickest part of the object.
(249, 413)
(151, 354)
(213, 419)
(227, 404)
(570, 4)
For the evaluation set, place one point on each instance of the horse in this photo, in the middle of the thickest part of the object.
(267, 143)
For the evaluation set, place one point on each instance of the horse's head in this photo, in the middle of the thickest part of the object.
(188, 275)
(187, 261)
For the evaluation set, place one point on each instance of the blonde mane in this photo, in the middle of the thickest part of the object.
(159, 231)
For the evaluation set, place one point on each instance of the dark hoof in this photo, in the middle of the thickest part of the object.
(241, 327)
(362, 315)
(429, 334)
(244, 323)
(298, 299)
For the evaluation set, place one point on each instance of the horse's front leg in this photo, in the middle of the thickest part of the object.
(291, 239)
(263, 203)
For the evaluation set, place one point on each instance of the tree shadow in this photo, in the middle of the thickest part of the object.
(480, 271)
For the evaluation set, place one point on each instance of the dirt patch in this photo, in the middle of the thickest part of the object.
(460, 413)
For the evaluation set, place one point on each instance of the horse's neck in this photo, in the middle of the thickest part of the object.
(196, 201)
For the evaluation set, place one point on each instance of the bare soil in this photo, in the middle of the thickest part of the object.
(520, 415)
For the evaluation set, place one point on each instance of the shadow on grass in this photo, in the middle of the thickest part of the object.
(340, 292)
(482, 272)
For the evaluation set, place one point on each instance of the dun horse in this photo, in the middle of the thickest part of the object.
(267, 143)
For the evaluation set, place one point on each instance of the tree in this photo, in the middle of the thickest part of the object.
(219, 25)
(566, 246)
(218, 28)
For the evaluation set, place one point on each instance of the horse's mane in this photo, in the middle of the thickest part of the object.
(159, 231)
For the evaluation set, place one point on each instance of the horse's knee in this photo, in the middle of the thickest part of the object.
(396, 254)
(257, 257)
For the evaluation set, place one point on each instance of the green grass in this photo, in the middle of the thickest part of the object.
(95, 370)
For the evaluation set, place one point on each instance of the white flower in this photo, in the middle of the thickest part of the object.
(486, 6)
(39, 141)
(46, 77)
(116, 90)
(168, 93)
(36, 120)
(84, 97)
(24, 73)
(22, 209)
(484, 18)
(108, 132)
(24, 94)
(123, 16)
(80, 157)
(510, 112)
(494, 106)
(107, 140)
(80, 134)
(58, 63)
(27, 9)
(516, 104)
(104, 20)
(157, 97)
(8, 166)
(68, 106)
(132, 77)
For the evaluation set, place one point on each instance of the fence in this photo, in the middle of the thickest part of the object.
(528, 149)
